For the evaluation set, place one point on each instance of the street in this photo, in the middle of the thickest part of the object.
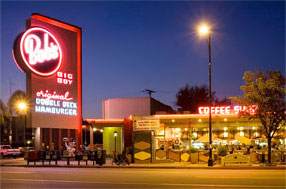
(36, 177)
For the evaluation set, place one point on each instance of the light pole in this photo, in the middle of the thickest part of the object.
(115, 135)
(84, 127)
(22, 107)
(204, 30)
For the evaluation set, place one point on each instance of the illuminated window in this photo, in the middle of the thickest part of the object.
(195, 134)
(225, 134)
(256, 134)
(177, 130)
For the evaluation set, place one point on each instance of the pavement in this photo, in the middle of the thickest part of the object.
(20, 162)
(72, 177)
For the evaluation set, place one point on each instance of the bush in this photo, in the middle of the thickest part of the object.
(222, 151)
(193, 150)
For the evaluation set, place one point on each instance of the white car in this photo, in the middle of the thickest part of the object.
(6, 150)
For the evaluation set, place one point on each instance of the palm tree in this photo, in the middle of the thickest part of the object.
(3, 119)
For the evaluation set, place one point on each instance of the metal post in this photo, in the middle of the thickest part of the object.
(210, 161)
(85, 142)
(115, 144)
(115, 135)
(25, 130)
(10, 119)
(189, 136)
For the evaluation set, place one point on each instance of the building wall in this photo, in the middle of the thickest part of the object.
(157, 106)
(109, 139)
(118, 108)
(127, 133)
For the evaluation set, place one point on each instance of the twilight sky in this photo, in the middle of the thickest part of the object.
(132, 46)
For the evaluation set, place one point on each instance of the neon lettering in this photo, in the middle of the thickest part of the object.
(236, 109)
(53, 95)
(38, 46)
(53, 110)
(32, 46)
(201, 110)
(227, 109)
(222, 110)
(217, 110)
(64, 78)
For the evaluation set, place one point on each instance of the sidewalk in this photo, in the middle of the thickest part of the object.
(20, 162)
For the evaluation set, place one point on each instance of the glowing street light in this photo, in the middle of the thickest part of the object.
(204, 30)
(22, 106)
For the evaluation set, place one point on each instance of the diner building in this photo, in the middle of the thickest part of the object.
(183, 137)
(175, 137)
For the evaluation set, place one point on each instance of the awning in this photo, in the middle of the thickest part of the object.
(259, 138)
(231, 140)
(205, 138)
(243, 139)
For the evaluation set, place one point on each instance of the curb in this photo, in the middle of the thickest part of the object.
(147, 167)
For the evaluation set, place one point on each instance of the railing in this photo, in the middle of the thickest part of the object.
(98, 156)
(202, 156)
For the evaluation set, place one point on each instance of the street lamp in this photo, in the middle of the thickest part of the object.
(204, 30)
(84, 127)
(22, 106)
(115, 135)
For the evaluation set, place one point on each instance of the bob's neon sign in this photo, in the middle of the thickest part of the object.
(39, 51)
(227, 109)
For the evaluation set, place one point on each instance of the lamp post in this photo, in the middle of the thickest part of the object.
(22, 107)
(84, 127)
(203, 31)
(115, 135)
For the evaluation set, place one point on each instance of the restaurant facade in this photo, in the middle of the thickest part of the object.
(49, 52)
(179, 137)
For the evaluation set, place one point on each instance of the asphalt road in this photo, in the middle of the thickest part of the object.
(34, 177)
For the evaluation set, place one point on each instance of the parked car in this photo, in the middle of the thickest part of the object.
(25, 149)
(7, 150)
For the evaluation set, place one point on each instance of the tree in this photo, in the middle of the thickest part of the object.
(16, 97)
(12, 105)
(267, 92)
(3, 109)
(3, 121)
(190, 98)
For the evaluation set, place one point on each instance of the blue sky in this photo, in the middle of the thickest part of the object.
(132, 46)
